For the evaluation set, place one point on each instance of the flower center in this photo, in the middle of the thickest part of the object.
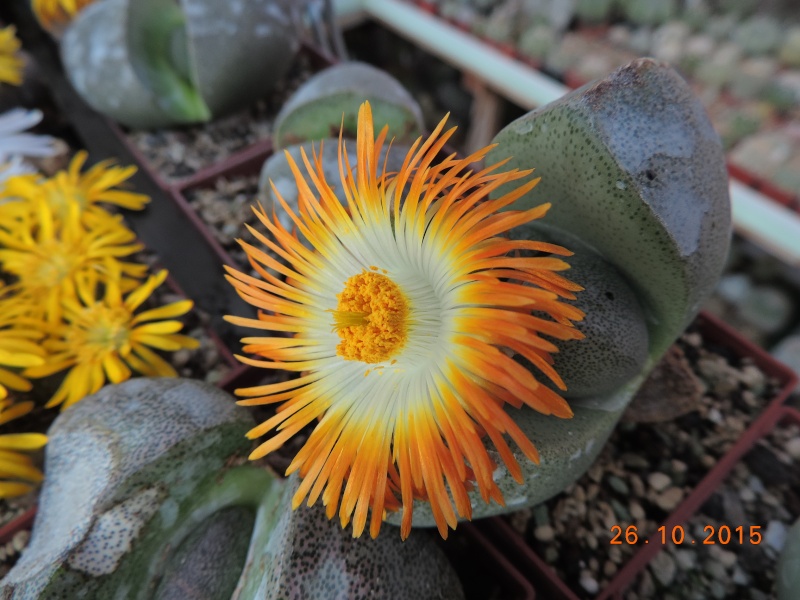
(53, 263)
(371, 318)
(103, 330)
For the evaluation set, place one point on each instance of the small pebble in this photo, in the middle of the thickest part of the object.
(747, 494)
(775, 535)
(637, 484)
(670, 498)
(663, 568)
(20, 540)
(716, 570)
(609, 568)
(793, 448)
(618, 485)
(589, 583)
(727, 558)
(718, 590)
(678, 466)
(544, 533)
(636, 510)
(685, 558)
(659, 481)
(740, 577)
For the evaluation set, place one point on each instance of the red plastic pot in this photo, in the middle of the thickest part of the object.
(544, 578)
(21, 523)
(483, 570)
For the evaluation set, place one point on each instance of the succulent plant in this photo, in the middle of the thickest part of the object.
(594, 11)
(787, 576)
(669, 41)
(752, 77)
(155, 509)
(759, 35)
(720, 27)
(537, 41)
(637, 178)
(721, 67)
(740, 126)
(789, 53)
(154, 63)
(314, 112)
(696, 13)
(503, 23)
(646, 12)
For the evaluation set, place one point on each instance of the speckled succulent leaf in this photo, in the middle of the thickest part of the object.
(154, 63)
(97, 62)
(615, 348)
(131, 470)
(635, 170)
(315, 110)
(239, 49)
(155, 28)
(310, 557)
(787, 573)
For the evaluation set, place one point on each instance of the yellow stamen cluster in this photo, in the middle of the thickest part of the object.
(11, 64)
(371, 318)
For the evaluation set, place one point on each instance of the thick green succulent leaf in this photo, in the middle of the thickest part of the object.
(238, 49)
(97, 62)
(614, 349)
(787, 573)
(306, 555)
(155, 31)
(634, 169)
(155, 63)
(132, 471)
(315, 110)
(638, 186)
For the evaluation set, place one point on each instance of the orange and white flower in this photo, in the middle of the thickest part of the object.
(404, 319)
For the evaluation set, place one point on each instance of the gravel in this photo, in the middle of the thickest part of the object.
(643, 474)
(225, 208)
(752, 495)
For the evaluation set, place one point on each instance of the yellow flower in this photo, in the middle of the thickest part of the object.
(106, 339)
(54, 15)
(19, 344)
(47, 255)
(11, 64)
(17, 471)
(404, 320)
(87, 189)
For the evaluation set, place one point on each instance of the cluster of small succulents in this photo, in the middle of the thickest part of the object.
(721, 45)
(744, 62)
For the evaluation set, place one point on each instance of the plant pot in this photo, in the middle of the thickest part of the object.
(648, 543)
(731, 525)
